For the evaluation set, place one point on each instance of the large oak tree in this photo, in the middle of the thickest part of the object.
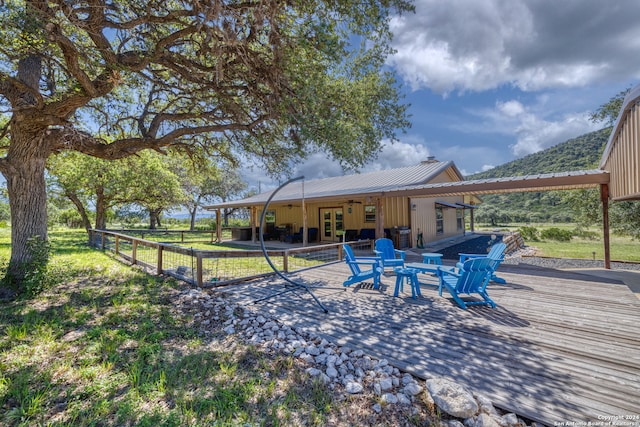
(271, 78)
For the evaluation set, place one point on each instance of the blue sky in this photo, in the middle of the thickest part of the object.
(490, 81)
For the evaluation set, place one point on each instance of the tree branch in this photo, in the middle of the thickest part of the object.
(13, 89)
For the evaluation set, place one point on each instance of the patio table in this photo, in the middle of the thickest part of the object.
(432, 258)
(427, 269)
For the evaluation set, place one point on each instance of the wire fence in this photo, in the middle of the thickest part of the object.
(207, 268)
(175, 236)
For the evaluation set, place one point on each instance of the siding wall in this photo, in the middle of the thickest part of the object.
(423, 219)
(396, 213)
(624, 158)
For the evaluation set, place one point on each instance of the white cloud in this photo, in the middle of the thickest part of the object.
(319, 166)
(534, 127)
(470, 45)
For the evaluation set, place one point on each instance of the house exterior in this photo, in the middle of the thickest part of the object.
(357, 206)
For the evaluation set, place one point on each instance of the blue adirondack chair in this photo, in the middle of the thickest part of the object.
(471, 278)
(359, 275)
(388, 254)
(496, 255)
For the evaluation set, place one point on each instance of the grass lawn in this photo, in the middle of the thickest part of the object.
(623, 248)
(105, 344)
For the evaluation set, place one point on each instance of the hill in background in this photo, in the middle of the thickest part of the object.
(581, 153)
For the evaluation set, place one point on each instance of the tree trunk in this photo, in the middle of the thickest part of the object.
(24, 171)
(153, 219)
(192, 226)
(101, 209)
(81, 210)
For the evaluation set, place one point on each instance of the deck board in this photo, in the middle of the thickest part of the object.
(559, 347)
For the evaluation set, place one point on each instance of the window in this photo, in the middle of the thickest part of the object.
(369, 214)
(439, 220)
(270, 217)
(460, 219)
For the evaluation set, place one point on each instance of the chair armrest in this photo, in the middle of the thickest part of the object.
(367, 260)
(378, 253)
(464, 257)
(401, 253)
(447, 270)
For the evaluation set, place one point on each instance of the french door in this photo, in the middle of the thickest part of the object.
(332, 224)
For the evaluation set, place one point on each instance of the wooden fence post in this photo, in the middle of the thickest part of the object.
(102, 246)
(134, 251)
(117, 245)
(159, 269)
(285, 261)
(199, 269)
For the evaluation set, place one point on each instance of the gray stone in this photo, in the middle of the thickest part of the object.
(403, 399)
(509, 420)
(389, 398)
(353, 387)
(332, 372)
(377, 408)
(312, 350)
(452, 398)
(412, 389)
(307, 358)
(321, 359)
(386, 384)
(485, 420)
(313, 371)
(376, 389)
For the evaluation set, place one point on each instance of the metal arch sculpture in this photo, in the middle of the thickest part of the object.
(272, 265)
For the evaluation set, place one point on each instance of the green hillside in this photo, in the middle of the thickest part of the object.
(583, 152)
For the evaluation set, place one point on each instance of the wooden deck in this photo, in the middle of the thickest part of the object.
(560, 347)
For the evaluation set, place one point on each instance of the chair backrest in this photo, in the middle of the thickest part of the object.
(497, 251)
(385, 247)
(473, 274)
(349, 258)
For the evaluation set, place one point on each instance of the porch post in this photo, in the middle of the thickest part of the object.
(604, 197)
(379, 218)
(305, 232)
(218, 225)
(471, 220)
(252, 223)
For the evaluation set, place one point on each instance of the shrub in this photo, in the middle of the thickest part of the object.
(585, 234)
(529, 233)
(555, 233)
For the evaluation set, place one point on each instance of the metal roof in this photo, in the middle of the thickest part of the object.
(398, 183)
(542, 182)
(354, 185)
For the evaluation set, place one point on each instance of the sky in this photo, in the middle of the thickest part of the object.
(490, 81)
